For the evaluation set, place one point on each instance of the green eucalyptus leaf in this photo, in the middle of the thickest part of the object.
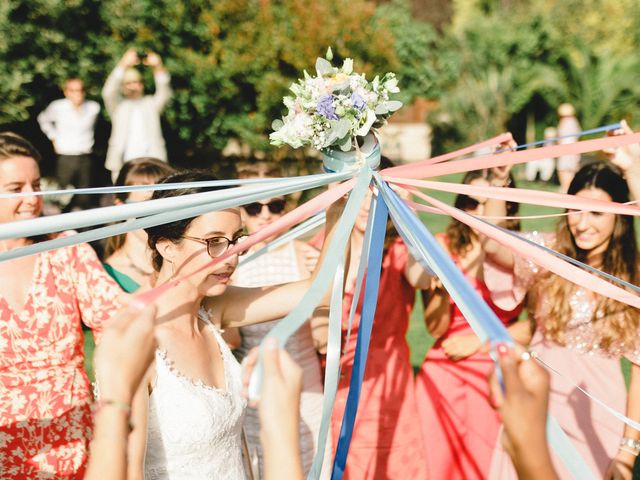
(393, 105)
(381, 109)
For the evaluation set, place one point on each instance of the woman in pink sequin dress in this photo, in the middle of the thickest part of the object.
(45, 396)
(581, 335)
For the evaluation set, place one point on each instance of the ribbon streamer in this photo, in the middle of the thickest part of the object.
(146, 188)
(511, 158)
(228, 197)
(325, 272)
(364, 336)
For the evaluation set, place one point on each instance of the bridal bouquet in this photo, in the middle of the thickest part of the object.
(330, 110)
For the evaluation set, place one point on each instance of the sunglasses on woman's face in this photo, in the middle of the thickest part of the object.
(274, 206)
(468, 203)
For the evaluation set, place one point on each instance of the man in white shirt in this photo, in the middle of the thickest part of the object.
(135, 117)
(69, 123)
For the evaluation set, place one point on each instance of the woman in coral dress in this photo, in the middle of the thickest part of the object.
(45, 394)
(459, 424)
(387, 441)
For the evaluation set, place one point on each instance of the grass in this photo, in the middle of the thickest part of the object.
(417, 336)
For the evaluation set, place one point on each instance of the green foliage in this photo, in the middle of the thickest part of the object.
(520, 59)
(231, 61)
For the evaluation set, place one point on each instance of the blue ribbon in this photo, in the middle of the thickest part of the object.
(606, 128)
(364, 336)
(332, 370)
(481, 318)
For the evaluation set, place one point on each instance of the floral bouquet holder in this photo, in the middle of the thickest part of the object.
(337, 113)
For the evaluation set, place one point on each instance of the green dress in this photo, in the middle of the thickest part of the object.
(127, 283)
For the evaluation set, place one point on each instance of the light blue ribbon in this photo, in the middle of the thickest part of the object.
(305, 227)
(96, 216)
(364, 336)
(154, 187)
(326, 271)
(169, 214)
(332, 367)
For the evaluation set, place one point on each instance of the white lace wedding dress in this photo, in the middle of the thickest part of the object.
(194, 430)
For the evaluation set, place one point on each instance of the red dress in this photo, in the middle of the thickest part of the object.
(459, 424)
(387, 442)
(45, 394)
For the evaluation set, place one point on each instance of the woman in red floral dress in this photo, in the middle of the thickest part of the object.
(45, 396)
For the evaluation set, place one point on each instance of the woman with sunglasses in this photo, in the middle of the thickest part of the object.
(458, 422)
(188, 414)
(289, 263)
(580, 334)
(127, 256)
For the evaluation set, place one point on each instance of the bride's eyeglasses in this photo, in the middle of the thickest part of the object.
(275, 206)
(216, 246)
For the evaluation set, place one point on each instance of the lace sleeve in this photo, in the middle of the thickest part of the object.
(508, 288)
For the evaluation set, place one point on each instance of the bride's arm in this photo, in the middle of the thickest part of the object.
(245, 306)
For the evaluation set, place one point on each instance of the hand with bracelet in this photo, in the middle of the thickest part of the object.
(121, 359)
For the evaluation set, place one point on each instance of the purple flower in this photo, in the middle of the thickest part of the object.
(325, 107)
(358, 102)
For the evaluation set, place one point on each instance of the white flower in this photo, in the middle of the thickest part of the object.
(296, 131)
(391, 85)
(347, 66)
(366, 126)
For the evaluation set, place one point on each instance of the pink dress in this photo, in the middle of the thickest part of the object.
(45, 394)
(458, 423)
(594, 433)
(387, 442)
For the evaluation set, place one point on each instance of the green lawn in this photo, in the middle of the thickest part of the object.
(419, 340)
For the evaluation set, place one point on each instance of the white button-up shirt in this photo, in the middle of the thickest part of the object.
(69, 127)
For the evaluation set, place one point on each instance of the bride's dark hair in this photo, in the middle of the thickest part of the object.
(175, 230)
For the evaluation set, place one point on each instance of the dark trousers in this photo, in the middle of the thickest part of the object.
(75, 170)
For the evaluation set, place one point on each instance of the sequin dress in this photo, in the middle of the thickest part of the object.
(580, 361)
(45, 419)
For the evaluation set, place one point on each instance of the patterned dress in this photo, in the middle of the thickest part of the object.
(45, 396)
(387, 440)
(272, 268)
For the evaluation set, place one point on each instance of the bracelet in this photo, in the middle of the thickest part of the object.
(105, 402)
(122, 406)
(630, 445)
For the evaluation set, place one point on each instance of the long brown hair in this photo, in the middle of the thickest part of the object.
(461, 235)
(612, 320)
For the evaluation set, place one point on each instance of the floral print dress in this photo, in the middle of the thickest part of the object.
(45, 396)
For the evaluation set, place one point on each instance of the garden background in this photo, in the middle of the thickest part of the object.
(484, 67)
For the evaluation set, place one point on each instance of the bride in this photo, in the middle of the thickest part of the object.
(188, 413)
